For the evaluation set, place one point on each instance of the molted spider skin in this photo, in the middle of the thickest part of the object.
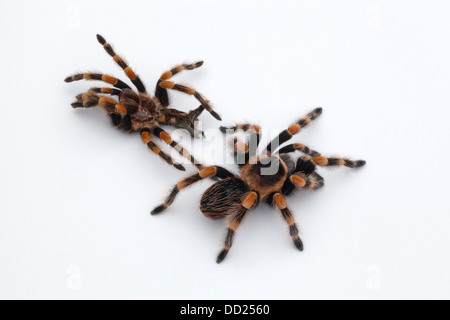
(141, 112)
(269, 177)
(223, 198)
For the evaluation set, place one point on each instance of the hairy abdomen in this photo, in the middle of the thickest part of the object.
(223, 198)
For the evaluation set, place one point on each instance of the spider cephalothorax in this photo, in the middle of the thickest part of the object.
(268, 177)
(139, 111)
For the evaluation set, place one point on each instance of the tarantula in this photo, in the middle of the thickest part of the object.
(235, 195)
(139, 111)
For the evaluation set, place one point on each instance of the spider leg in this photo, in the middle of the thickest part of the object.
(248, 202)
(280, 202)
(105, 90)
(298, 147)
(164, 136)
(293, 129)
(119, 113)
(90, 99)
(146, 138)
(178, 87)
(337, 162)
(128, 71)
(244, 151)
(160, 92)
(212, 171)
(312, 182)
(100, 77)
(115, 118)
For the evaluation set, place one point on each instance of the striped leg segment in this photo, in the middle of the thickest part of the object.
(244, 151)
(160, 92)
(280, 202)
(146, 138)
(111, 91)
(128, 71)
(249, 202)
(100, 77)
(337, 162)
(298, 147)
(90, 99)
(253, 130)
(212, 171)
(178, 87)
(163, 135)
(311, 182)
(293, 129)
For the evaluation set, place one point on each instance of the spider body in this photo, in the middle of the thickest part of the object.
(140, 111)
(269, 177)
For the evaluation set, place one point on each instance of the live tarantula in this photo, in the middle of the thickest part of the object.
(235, 195)
(139, 111)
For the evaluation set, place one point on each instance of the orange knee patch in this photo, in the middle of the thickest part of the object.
(207, 172)
(106, 90)
(109, 79)
(145, 136)
(165, 137)
(279, 200)
(241, 147)
(106, 100)
(293, 129)
(256, 128)
(298, 181)
(121, 109)
(250, 200)
(130, 73)
(167, 84)
(321, 161)
(298, 145)
(166, 75)
(118, 59)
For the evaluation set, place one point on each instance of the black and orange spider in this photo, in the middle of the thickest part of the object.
(268, 177)
(139, 111)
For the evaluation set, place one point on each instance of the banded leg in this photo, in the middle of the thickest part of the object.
(115, 118)
(311, 182)
(178, 87)
(244, 151)
(160, 92)
(280, 202)
(337, 162)
(105, 90)
(293, 129)
(298, 147)
(128, 71)
(91, 99)
(249, 202)
(212, 171)
(100, 77)
(146, 138)
(254, 130)
(163, 135)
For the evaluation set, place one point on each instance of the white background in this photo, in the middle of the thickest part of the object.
(76, 193)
